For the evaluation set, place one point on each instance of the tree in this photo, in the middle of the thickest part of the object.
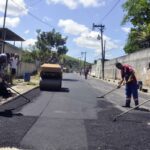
(132, 43)
(47, 41)
(138, 14)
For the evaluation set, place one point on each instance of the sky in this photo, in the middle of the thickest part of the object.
(72, 18)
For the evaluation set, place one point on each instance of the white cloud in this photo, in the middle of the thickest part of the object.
(72, 27)
(93, 3)
(86, 38)
(26, 31)
(126, 29)
(15, 8)
(29, 42)
(90, 41)
(73, 4)
(110, 43)
(10, 22)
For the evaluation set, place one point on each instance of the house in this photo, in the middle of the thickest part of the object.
(6, 46)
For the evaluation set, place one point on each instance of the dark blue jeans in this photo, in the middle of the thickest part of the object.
(132, 90)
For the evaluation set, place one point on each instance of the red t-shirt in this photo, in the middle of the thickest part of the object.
(127, 71)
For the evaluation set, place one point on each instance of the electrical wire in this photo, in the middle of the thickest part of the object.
(110, 11)
(35, 17)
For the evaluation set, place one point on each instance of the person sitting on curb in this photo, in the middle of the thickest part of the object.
(128, 75)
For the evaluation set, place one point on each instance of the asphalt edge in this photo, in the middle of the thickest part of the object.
(17, 96)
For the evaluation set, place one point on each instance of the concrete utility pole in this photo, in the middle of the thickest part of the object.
(84, 53)
(79, 68)
(101, 28)
(4, 31)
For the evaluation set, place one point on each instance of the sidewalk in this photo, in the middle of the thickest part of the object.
(145, 89)
(21, 87)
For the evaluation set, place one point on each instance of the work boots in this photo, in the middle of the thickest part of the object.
(127, 103)
(136, 103)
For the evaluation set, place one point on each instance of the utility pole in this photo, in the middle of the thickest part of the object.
(4, 31)
(101, 28)
(79, 65)
(84, 53)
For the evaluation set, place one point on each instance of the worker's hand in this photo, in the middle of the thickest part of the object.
(124, 83)
(120, 82)
(129, 80)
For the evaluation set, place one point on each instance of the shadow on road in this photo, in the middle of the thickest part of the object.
(143, 109)
(56, 90)
(9, 113)
(73, 80)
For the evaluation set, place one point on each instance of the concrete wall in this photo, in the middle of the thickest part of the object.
(26, 68)
(139, 60)
(22, 67)
(13, 49)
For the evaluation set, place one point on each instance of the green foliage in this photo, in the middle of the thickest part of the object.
(132, 44)
(138, 14)
(47, 41)
(62, 50)
(74, 63)
(27, 57)
(43, 48)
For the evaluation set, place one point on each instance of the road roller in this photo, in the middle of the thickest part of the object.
(50, 77)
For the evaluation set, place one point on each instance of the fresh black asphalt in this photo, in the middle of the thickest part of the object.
(74, 119)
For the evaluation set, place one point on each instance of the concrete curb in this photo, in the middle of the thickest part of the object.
(15, 97)
(115, 82)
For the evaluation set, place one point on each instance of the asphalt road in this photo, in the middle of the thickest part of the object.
(75, 119)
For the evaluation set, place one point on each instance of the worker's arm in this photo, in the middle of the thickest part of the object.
(125, 82)
(131, 77)
(120, 83)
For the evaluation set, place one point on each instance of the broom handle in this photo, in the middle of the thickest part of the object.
(18, 93)
(131, 109)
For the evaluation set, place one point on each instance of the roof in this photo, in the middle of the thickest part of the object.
(10, 35)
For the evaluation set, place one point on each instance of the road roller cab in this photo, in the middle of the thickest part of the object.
(51, 77)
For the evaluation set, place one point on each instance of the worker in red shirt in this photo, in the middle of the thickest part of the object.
(129, 78)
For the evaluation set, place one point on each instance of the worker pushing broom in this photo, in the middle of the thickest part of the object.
(131, 89)
(130, 81)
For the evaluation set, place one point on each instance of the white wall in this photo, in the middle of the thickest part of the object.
(139, 60)
(26, 68)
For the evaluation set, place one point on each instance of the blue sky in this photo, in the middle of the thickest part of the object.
(72, 18)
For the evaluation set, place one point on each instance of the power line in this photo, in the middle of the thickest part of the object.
(35, 17)
(110, 10)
